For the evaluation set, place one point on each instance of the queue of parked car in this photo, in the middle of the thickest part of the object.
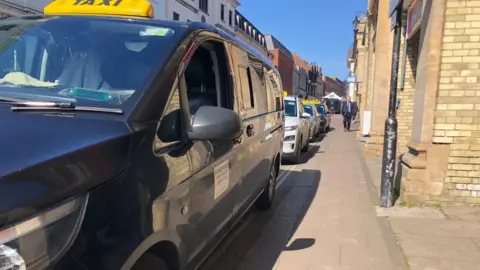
(305, 120)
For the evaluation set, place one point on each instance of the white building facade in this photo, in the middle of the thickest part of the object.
(22, 7)
(219, 13)
(299, 81)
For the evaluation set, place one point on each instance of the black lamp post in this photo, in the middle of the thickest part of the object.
(391, 125)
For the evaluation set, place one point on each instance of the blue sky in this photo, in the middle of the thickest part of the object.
(319, 31)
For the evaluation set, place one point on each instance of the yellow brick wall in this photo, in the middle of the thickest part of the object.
(371, 64)
(405, 111)
(457, 120)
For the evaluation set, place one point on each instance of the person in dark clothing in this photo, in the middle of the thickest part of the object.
(355, 111)
(348, 109)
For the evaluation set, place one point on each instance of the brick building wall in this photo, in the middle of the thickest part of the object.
(457, 116)
(285, 66)
(405, 96)
(332, 84)
(371, 64)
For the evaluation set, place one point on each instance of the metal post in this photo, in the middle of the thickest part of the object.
(390, 136)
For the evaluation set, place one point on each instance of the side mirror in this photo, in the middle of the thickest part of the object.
(170, 127)
(215, 123)
(306, 115)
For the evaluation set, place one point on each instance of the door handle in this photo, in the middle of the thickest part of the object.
(238, 140)
(250, 130)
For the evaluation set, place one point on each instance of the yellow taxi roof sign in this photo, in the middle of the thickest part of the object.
(285, 93)
(136, 8)
(311, 101)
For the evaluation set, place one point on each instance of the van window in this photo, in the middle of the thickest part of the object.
(207, 78)
(247, 89)
(257, 75)
(273, 90)
(208, 84)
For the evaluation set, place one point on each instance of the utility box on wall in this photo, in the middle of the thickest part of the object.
(366, 123)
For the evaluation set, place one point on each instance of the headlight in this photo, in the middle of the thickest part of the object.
(290, 128)
(35, 243)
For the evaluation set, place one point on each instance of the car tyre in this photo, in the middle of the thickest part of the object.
(319, 132)
(149, 261)
(298, 156)
(265, 200)
(307, 145)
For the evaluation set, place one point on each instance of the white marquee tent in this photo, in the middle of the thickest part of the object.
(332, 95)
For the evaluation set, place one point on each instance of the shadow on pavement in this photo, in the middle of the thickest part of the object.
(259, 238)
(397, 181)
(300, 243)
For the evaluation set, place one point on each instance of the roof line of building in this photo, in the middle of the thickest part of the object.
(282, 47)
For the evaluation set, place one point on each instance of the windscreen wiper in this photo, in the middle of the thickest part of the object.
(24, 105)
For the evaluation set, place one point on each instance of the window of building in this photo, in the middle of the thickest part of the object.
(222, 12)
(230, 15)
(203, 5)
(176, 16)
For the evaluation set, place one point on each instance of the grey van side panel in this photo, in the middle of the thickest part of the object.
(187, 209)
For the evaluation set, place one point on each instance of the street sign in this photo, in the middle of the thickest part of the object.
(352, 79)
(414, 17)
(393, 6)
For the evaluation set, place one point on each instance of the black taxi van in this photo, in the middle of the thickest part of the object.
(128, 142)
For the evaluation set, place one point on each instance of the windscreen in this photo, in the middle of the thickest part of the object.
(290, 108)
(321, 109)
(88, 60)
(308, 109)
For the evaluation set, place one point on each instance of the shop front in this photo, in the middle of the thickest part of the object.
(439, 104)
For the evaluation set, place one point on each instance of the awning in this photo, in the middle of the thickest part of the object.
(332, 95)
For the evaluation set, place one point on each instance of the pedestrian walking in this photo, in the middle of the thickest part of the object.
(348, 109)
(354, 111)
(357, 114)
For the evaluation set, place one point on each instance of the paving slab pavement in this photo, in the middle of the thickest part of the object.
(322, 218)
(341, 218)
(445, 238)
